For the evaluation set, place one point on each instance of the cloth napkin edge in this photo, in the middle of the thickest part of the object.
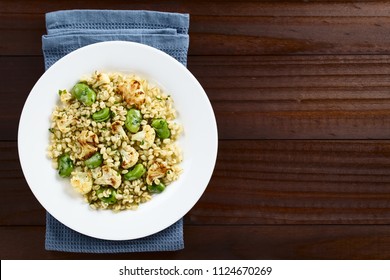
(72, 19)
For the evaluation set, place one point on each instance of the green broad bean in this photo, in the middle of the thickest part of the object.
(135, 173)
(94, 161)
(159, 188)
(65, 165)
(161, 128)
(133, 120)
(84, 94)
(101, 115)
(111, 199)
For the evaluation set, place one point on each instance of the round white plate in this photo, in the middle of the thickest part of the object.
(199, 141)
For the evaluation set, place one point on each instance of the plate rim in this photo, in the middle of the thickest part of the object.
(67, 57)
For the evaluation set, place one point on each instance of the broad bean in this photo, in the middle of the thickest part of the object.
(156, 188)
(111, 199)
(65, 165)
(101, 115)
(135, 173)
(84, 94)
(161, 128)
(94, 161)
(133, 120)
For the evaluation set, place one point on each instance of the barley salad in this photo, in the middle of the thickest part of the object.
(115, 136)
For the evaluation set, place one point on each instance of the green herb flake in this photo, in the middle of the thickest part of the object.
(61, 91)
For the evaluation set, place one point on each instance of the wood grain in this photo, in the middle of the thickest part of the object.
(229, 242)
(305, 97)
(216, 8)
(300, 90)
(298, 182)
(246, 28)
(261, 182)
(19, 206)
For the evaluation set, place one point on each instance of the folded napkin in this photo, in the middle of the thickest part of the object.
(72, 29)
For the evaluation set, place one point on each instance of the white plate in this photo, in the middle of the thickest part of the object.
(199, 141)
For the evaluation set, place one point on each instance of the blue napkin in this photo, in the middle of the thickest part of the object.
(72, 29)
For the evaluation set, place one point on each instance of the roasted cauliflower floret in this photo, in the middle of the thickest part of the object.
(88, 142)
(129, 156)
(109, 177)
(132, 92)
(64, 122)
(81, 181)
(101, 79)
(96, 172)
(117, 128)
(156, 170)
(146, 137)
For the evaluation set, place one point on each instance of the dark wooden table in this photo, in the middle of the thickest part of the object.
(301, 92)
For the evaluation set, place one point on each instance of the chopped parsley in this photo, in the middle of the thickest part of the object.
(61, 91)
